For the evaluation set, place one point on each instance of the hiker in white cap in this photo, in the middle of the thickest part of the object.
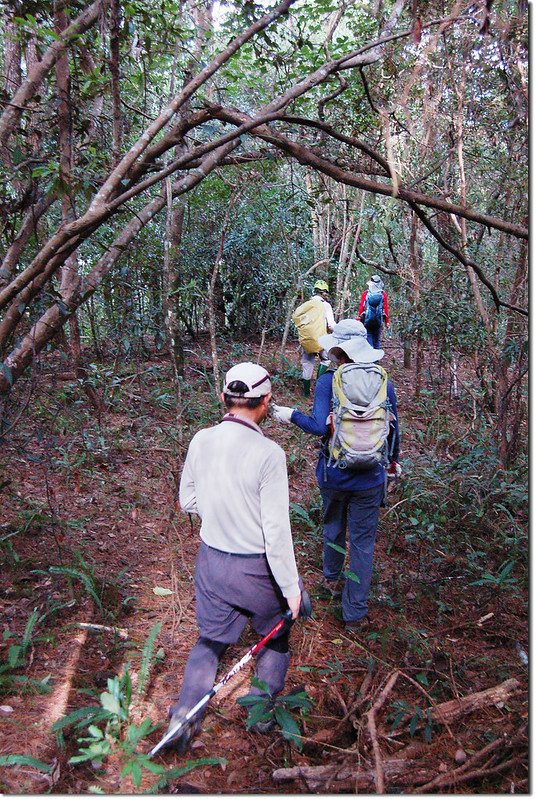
(236, 480)
(374, 310)
(355, 412)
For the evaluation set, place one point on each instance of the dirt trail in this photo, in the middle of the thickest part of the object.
(108, 494)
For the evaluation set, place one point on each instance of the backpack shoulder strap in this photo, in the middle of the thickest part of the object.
(339, 397)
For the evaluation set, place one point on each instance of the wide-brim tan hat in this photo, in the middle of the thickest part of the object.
(350, 336)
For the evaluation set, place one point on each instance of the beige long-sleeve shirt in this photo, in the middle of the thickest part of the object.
(235, 479)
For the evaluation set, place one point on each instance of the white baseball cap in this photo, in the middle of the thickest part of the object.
(255, 378)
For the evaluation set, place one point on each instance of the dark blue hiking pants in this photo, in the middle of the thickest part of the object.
(373, 333)
(355, 512)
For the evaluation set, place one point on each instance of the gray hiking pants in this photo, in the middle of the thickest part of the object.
(308, 360)
(229, 590)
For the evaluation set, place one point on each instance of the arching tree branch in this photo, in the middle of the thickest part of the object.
(466, 262)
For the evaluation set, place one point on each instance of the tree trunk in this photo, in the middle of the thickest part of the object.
(117, 127)
(407, 353)
(416, 277)
(211, 304)
(172, 282)
(69, 272)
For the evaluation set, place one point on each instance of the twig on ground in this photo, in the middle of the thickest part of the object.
(340, 697)
(468, 771)
(120, 631)
(452, 680)
(371, 724)
(447, 712)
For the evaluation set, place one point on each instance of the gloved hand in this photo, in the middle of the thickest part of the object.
(394, 470)
(281, 413)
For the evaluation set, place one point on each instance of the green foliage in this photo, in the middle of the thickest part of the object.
(16, 661)
(6, 546)
(299, 514)
(262, 708)
(109, 731)
(105, 591)
(333, 671)
(115, 711)
(336, 547)
(25, 760)
(148, 659)
(467, 510)
(414, 716)
(501, 579)
(87, 578)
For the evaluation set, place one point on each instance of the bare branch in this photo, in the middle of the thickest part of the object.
(13, 111)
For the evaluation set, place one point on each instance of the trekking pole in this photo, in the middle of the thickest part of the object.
(286, 620)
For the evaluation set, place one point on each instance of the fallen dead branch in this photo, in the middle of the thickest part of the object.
(448, 712)
(416, 776)
(371, 724)
(345, 778)
(413, 772)
(469, 770)
(120, 631)
(427, 695)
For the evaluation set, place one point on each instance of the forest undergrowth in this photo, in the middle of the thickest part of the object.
(98, 611)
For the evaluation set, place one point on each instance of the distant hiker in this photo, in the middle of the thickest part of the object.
(374, 310)
(313, 318)
(355, 412)
(236, 480)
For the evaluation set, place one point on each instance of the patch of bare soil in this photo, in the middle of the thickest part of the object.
(432, 699)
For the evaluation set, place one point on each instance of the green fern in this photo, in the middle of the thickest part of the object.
(24, 760)
(147, 659)
(28, 630)
(87, 581)
(91, 714)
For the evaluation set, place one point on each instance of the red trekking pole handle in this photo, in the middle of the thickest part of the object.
(285, 621)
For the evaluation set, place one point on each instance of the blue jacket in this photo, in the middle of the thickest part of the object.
(332, 476)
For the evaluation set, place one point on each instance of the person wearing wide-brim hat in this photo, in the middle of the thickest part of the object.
(351, 499)
(350, 336)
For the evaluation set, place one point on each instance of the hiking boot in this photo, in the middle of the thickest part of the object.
(357, 625)
(182, 740)
(333, 587)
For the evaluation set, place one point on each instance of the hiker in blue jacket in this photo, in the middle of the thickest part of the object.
(374, 310)
(351, 499)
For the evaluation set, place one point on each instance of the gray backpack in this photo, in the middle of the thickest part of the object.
(360, 417)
